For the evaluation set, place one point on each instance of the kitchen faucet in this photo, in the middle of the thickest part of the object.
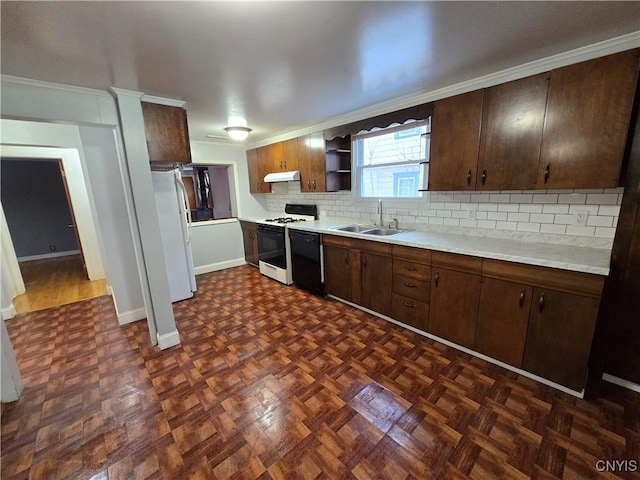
(380, 210)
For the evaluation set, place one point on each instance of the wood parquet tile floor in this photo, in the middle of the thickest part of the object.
(273, 383)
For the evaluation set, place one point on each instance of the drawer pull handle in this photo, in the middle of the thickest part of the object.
(410, 285)
(484, 176)
(309, 184)
(410, 305)
(547, 172)
(410, 268)
(346, 258)
(541, 303)
(314, 183)
(436, 278)
(469, 177)
(364, 261)
(521, 299)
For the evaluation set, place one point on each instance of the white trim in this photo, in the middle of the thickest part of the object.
(54, 86)
(524, 373)
(41, 256)
(214, 267)
(8, 312)
(170, 102)
(600, 49)
(621, 382)
(168, 340)
(131, 316)
(214, 222)
(123, 92)
(110, 291)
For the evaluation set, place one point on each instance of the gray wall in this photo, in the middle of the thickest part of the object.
(36, 207)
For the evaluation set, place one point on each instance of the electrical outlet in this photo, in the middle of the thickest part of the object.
(580, 217)
(471, 214)
(52, 248)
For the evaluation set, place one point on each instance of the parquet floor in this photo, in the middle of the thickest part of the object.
(55, 281)
(273, 383)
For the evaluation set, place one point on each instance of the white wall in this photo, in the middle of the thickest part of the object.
(216, 246)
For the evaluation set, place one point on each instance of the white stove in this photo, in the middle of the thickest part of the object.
(274, 250)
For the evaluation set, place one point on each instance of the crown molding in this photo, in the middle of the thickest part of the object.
(123, 92)
(53, 86)
(163, 101)
(589, 52)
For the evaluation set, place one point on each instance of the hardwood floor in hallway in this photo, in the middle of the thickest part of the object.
(55, 281)
(270, 382)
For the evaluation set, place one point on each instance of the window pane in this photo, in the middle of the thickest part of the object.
(400, 146)
(385, 181)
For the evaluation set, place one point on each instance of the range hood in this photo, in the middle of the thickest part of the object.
(282, 177)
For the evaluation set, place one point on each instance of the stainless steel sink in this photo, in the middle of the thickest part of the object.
(382, 232)
(355, 228)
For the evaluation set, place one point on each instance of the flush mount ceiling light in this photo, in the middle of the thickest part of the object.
(238, 133)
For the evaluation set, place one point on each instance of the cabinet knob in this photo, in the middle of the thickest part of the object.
(410, 305)
(436, 278)
(521, 299)
(547, 172)
(284, 162)
(309, 184)
(541, 303)
(364, 261)
(314, 183)
(469, 177)
(484, 176)
(346, 258)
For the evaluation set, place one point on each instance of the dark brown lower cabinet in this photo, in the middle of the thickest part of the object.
(337, 271)
(455, 294)
(559, 336)
(250, 240)
(410, 311)
(503, 317)
(375, 282)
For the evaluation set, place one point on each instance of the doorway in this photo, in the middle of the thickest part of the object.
(43, 229)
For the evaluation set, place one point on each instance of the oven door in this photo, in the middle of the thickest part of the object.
(271, 245)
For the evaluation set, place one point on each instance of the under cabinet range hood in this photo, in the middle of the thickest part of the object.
(282, 177)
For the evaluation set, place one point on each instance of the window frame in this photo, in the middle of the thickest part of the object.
(358, 168)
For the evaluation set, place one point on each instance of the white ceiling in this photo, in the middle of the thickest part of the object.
(290, 65)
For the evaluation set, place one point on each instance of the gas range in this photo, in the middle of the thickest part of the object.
(274, 250)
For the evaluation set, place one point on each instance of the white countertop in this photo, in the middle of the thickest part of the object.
(565, 257)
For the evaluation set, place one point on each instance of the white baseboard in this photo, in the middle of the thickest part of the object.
(213, 267)
(621, 382)
(48, 255)
(131, 316)
(8, 312)
(168, 340)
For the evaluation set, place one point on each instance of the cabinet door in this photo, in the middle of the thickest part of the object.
(255, 171)
(250, 240)
(275, 154)
(167, 133)
(455, 138)
(503, 317)
(454, 305)
(290, 155)
(587, 121)
(559, 336)
(264, 166)
(512, 121)
(317, 163)
(375, 284)
(337, 271)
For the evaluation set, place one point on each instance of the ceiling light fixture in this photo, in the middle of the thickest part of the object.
(238, 133)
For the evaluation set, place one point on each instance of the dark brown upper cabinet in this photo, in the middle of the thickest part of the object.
(587, 122)
(512, 121)
(455, 138)
(167, 135)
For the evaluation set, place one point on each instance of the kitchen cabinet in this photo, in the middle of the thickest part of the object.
(411, 286)
(455, 139)
(338, 164)
(250, 240)
(289, 158)
(167, 135)
(256, 159)
(503, 317)
(311, 163)
(359, 271)
(454, 299)
(587, 120)
(512, 119)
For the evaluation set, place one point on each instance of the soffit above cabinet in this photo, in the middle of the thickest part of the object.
(285, 66)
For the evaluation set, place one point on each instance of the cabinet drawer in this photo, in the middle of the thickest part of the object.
(411, 287)
(337, 241)
(372, 247)
(454, 261)
(411, 269)
(410, 311)
(412, 254)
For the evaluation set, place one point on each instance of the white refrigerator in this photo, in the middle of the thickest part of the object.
(174, 216)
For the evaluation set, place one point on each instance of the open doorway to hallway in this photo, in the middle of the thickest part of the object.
(40, 218)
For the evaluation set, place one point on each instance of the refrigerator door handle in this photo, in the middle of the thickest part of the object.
(186, 229)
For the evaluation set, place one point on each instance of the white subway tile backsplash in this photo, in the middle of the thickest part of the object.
(572, 198)
(602, 198)
(547, 212)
